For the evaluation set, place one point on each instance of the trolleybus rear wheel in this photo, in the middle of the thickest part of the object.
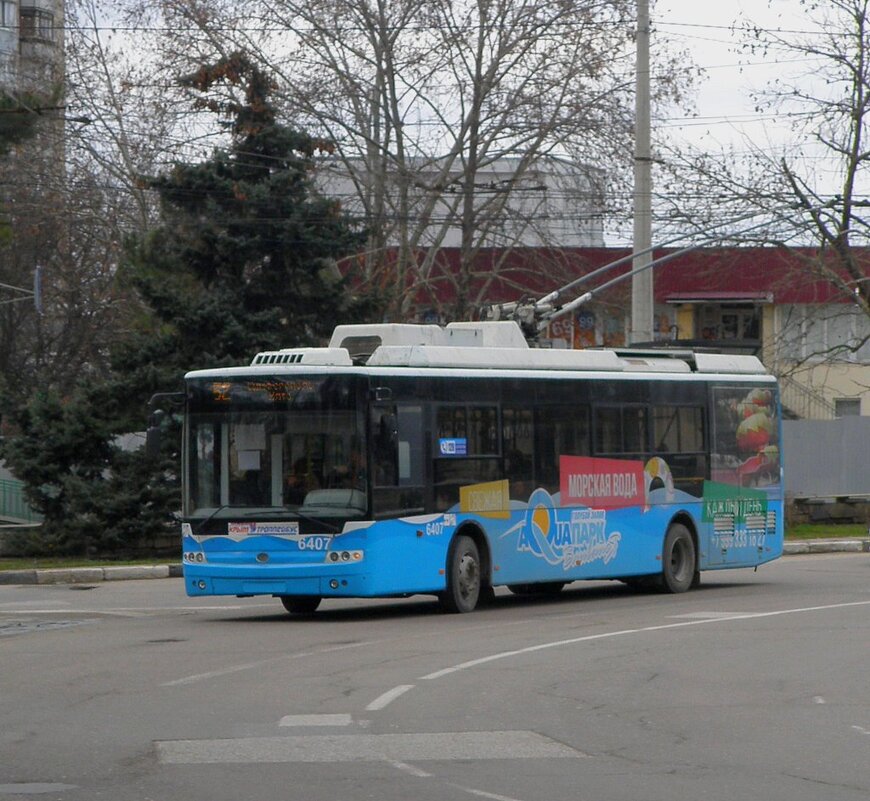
(679, 559)
(300, 604)
(463, 576)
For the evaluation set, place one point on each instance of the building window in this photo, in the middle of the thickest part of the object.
(8, 14)
(847, 407)
(834, 332)
(737, 321)
(37, 24)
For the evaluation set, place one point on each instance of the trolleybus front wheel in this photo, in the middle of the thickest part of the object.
(463, 576)
(300, 604)
(679, 559)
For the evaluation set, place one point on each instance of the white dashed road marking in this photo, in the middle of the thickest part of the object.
(482, 794)
(405, 768)
(390, 695)
(300, 721)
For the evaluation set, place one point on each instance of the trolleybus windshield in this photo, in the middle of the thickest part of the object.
(255, 445)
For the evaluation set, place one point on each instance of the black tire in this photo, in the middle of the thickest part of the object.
(541, 588)
(487, 595)
(679, 559)
(463, 576)
(300, 604)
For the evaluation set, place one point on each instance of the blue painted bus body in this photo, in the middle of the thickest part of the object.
(536, 542)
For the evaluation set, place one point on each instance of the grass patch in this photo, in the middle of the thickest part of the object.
(824, 531)
(48, 563)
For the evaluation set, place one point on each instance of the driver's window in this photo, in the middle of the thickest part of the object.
(385, 446)
(397, 459)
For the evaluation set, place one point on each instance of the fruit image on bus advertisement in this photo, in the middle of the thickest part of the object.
(745, 450)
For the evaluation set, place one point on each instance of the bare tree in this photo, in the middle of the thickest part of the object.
(72, 196)
(806, 195)
(125, 110)
(56, 230)
(810, 191)
(830, 109)
(447, 115)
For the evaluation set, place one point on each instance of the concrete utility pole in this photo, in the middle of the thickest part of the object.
(642, 282)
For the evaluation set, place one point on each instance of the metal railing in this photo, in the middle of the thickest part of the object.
(804, 402)
(13, 506)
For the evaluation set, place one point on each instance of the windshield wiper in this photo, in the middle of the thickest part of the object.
(318, 521)
(202, 525)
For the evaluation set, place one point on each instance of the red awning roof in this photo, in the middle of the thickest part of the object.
(758, 275)
(719, 297)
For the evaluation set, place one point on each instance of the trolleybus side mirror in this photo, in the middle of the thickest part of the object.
(153, 435)
(157, 421)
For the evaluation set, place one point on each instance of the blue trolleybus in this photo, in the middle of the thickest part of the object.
(407, 459)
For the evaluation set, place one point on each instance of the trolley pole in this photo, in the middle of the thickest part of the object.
(642, 277)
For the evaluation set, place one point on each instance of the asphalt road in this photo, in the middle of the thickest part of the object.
(756, 685)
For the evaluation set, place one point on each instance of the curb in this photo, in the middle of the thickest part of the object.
(90, 575)
(796, 547)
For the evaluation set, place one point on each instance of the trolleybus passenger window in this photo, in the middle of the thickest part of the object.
(678, 438)
(608, 430)
(483, 429)
(678, 429)
(467, 431)
(620, 429)
(634, 430)
(466, 450)
(559, 431)
(518, 450)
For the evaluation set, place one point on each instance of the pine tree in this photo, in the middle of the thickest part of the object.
(246, 257)
(243, 260)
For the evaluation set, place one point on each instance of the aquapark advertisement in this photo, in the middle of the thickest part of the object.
(604, 504)
(584, 524)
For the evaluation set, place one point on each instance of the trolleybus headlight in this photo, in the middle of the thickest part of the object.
(344, 556)
(334, 584)
(201, 584)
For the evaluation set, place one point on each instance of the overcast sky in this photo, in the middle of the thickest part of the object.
(724, 103)
(724, 110)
